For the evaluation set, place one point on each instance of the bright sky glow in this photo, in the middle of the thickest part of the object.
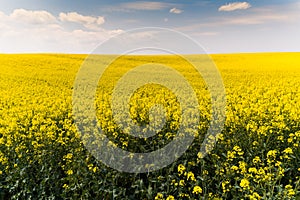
(76, 26)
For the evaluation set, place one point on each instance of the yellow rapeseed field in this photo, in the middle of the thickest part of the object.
(257, 155)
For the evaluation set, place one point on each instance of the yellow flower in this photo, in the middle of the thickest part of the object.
(288, 150)
(181, 168)
(90, 166)
(288, 187)
(281, 171)
(278, 163)
(70, 172)
(69, 156)
(224, 184)
(252, 170)
(95, 169)
(255, 143)
(231, 155)
(237, 148)
(290, 191)
(205, 172)
(197, 190)
(181, 183)
(234, 168)
(254, 196)
(191, 176)
(256, 160)
(170, 197)
(244, 183)
(159, 196)
(280, 138)
(65, 186)
(272, 153)
(184, 195)
(261, 171)
(174, 182)
(200, 155)
(220, 136)
(242, 166)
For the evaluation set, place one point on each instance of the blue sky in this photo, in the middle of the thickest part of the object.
(76, 26)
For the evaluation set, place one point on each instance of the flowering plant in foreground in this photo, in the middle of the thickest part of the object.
(256, 157)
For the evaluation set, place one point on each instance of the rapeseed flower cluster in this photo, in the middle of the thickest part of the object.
(256, 157)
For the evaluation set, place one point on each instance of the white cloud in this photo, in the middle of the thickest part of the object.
(141, 5)
(45, 32)
(33, 17)
(145, 5)
(87, 21)
(207, 33)
(175, 11)
(100, 20)
(3, 18)
(75, 17)
(235, 6)
(2, 15)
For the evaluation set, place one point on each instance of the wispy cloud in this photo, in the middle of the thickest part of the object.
(175, 11)
(235, 6)
(32, 17)
(241, 21)
(255, 19)
(145, 5)
(87, 21)
(140, 6)
(46, 32)
(204, 33)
